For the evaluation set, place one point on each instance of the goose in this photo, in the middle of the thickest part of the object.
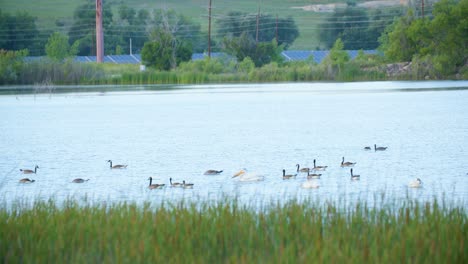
(347, 163)
(25, 171)
(354, 177)
(117, 166)
(248, 176)
(212, 172)
(154, 186)
(79, 180)
(319, 168)
(313, 175)
(187, 185)
(301, 169)
(26, 180)
(367, 148)
(379, 148)
(175, 184)
(416, 183)
(310, 185)
(288, 176)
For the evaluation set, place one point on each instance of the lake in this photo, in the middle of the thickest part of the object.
(180, 132)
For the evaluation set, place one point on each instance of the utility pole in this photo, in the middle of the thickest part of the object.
(422, 7)
(258, 17)
(276, 29)
(130, 46)
(99, 34)
(209, 30)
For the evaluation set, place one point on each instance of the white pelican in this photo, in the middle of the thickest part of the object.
(310, 185)
(248, 176)
(416, 183)
(26, 171)
(116, 166)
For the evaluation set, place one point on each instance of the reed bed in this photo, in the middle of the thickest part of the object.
(227, 232)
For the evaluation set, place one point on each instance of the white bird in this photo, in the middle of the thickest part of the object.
(310, 185)
(416, 183)
(248, 176)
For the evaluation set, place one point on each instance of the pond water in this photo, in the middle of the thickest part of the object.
(182, 131)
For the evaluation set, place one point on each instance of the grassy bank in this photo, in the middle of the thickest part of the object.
(226, 232)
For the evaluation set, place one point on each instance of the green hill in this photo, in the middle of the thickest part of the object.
(308, 14)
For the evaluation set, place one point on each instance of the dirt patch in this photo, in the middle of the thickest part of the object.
(327, 8)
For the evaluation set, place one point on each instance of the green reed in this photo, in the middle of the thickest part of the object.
(294, 232)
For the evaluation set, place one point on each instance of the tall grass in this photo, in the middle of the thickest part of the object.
(293, 232)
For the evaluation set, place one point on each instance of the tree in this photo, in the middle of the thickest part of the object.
(159, 52)
(19, 32)
(336, 59)
(11, 63)
(245, 46)
(236, 23)
(181, 28)
(58, 48)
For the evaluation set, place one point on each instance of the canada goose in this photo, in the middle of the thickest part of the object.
(212, 172)
(248, 176)
(288, 176)
(416, 183)
(301, 169)
(187, 185)
(313, 175)
(367, 148)
(117, 166)
(25, 171)
(379, 148)
(347, 163)
(154, 186)
(354, 177)
(175, 184)
(26, 180)
(310, 184)
(319, 168)
(79, 180)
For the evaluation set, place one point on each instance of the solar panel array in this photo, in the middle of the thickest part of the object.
(317, 55)
(288, 55)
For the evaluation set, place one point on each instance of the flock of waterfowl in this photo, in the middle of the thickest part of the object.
(245, 175)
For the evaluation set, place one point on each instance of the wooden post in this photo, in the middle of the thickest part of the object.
(99, 33)
(209, 30)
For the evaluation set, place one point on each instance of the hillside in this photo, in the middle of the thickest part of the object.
(308, 14)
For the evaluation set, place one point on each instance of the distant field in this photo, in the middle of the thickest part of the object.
(48, 11)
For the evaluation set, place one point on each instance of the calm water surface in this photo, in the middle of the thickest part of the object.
(183, 131)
